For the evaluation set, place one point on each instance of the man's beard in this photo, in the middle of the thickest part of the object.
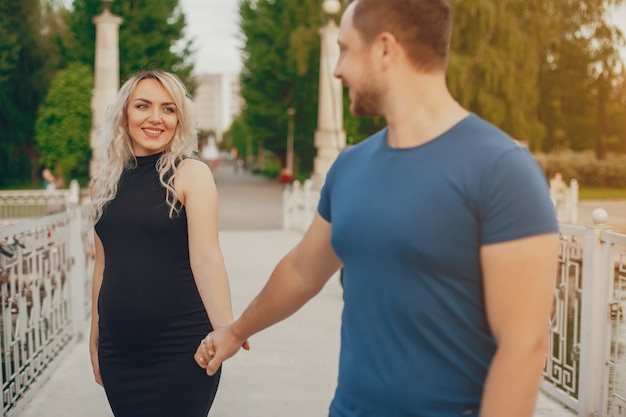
(366, 103)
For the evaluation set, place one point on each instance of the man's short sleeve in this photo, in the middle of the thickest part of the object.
(515, 199)
(324, 206)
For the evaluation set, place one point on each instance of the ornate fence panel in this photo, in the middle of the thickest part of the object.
(562, 364)
(586, 365)
(616, 246)
(35, 304)
(88, 251)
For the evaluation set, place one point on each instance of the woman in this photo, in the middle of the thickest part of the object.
(159, 281)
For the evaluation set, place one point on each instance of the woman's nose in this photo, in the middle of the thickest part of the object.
(155, 117)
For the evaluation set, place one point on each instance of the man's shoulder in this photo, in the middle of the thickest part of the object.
(366, 145)
(481, 139)
(474, 124)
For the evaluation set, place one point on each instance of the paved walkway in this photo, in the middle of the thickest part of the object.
(292, 367)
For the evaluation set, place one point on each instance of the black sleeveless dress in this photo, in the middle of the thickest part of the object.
(151, 317)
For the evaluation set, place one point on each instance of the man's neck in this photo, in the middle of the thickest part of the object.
(421, 111)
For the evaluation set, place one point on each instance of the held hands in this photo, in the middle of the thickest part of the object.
(216, 347)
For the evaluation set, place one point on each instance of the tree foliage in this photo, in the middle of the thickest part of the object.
(541, 70)
(40, 37)
(281, 71)
(26, 67)
(64, 122)
(545, 71)
(494, 55)
(580, 67)
(151, 35)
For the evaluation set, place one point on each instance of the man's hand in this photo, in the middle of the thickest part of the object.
(218, 346)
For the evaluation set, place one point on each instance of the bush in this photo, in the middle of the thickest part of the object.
(272, 168)
(585, 168)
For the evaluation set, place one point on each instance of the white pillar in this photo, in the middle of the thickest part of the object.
(595, 322)
(106, 75)
(330, 137)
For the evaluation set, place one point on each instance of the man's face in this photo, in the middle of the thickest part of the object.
(355, 69)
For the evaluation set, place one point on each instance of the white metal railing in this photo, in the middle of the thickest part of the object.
(19, 205)
(45, 280)
(616, 401)
(565, 201)
(586, 365)
(299, 205)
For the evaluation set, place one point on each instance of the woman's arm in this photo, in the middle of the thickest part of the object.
(95, 293)
(195, 188)
(96, 283)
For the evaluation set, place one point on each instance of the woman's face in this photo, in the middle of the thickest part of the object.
(152, 118)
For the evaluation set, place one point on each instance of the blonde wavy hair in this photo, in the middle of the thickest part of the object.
(115, 145)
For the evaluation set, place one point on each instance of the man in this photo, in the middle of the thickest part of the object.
(445, 230)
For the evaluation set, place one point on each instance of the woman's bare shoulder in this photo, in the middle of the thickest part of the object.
(193, 173)
(192, 166)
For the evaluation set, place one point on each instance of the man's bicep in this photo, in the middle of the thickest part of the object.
(519, 278)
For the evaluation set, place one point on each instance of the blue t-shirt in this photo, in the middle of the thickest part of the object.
(408, 225)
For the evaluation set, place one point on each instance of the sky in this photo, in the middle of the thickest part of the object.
(215, 26)
(618, 18)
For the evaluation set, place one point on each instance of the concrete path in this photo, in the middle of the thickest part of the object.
(292, 367)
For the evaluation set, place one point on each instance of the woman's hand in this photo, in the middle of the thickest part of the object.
(95, 363)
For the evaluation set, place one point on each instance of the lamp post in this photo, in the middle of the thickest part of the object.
(330, 137)
(290, 153)
(106, 75)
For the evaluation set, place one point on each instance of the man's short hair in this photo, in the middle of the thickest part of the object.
(423, 27)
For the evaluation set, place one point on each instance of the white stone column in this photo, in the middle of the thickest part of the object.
(106, 75)
(330, 137)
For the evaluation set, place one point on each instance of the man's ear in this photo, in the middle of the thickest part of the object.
(389, 48)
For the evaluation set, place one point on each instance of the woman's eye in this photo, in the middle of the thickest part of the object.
(171, 110)
(141, 106)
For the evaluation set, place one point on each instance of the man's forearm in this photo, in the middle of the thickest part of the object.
(513, 382)
(285, 293)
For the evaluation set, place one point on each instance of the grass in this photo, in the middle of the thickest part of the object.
(601, 193)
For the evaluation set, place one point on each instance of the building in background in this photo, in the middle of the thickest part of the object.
(218, 102)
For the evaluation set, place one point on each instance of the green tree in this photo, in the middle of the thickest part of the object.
(615, 138)
(541, 70)
(9, 50)
(26, 68)
(578, 71)
(494, 62)
(151, 35)
(545, 71)
(64, 122)
(240, 138)
(281, 71)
